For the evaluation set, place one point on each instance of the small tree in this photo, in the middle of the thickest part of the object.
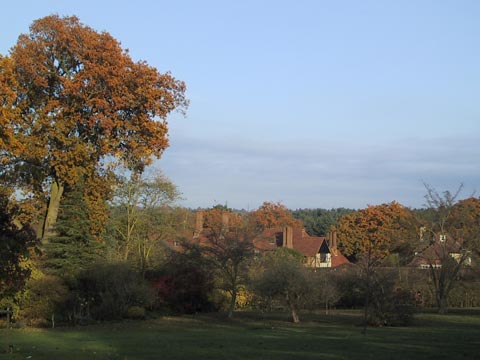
(368, 235)
(229, 246)
(451, 230)
(141, 217)
(283, 277)
(326, 288)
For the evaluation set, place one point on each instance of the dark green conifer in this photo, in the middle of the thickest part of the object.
(72, 248)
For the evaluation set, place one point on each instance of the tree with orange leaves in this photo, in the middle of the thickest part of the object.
(271, 214)
(466, 221)
(8, 140)
(78, 105)
(375, 231)
(369, 235)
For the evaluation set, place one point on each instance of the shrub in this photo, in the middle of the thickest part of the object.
(282, 277)
(107, 291)
(136, 312)
(389, 305)
(403, 308)
(351, 292)
(43, 300)
(11, 302)
(185, 283)
(465, 294)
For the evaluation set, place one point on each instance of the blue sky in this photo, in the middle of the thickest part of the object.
(312, 103)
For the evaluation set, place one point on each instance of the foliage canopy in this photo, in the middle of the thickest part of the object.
(77, 105)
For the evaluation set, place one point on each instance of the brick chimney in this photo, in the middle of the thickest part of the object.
(288, 237)
(334, 242)
(329, 239)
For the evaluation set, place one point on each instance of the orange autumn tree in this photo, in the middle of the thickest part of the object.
(219, 218)
(270, 215)
(81, 107)
(375, 231)
(8, 140)
(369, 236)
(466, 223)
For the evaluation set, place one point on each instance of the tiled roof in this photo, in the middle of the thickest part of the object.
(308, 245)
(433, 253)
(338, 259)
(270, 239)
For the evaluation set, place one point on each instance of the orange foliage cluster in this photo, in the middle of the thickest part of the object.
(218, 219)
(465, 219)
(97, 191)
(372, 231)
(82, 98)
(7, 111)
(73, 104)
(270, 215)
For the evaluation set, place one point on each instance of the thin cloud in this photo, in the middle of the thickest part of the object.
(245, 173)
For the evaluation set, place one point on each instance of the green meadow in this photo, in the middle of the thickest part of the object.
(250, 336)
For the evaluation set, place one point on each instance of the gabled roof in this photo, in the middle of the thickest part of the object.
(270, 239)
(273, 238)
(309, 246)
(338, 259)
(336, 256)
(324, 249)
(432, 254)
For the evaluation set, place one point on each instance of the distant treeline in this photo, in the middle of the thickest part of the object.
(317, 222)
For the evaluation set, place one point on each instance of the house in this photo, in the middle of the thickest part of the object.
(318, 252)
(433, 255)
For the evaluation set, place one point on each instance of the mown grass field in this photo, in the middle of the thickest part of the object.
(250, 336)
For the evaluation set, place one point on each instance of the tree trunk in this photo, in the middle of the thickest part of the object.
(442, 304)
(293, 310)
(295, 317)
(367, 300)
(56, 193)
(365, 312)
(233, 301)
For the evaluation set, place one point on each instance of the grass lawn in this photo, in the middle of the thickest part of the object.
(452, 336)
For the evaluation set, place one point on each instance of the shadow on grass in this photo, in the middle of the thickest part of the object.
(251, 335)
